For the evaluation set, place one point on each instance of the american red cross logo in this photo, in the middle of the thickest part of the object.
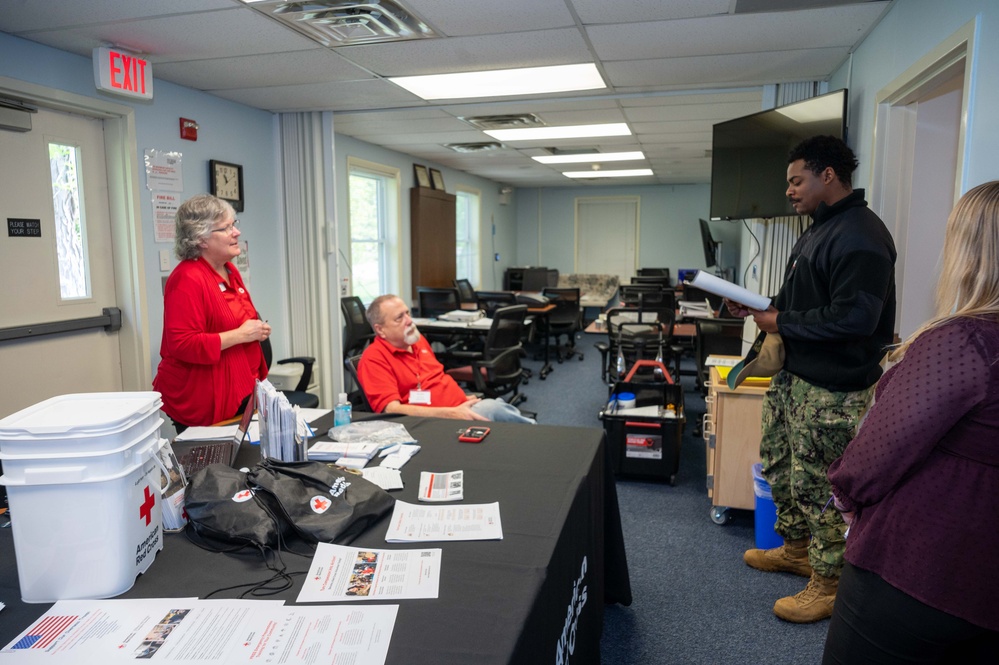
(320, 504)
(146, 509)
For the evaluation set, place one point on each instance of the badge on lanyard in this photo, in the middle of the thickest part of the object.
(419, 397)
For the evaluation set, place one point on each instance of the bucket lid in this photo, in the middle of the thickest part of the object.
(80, 413)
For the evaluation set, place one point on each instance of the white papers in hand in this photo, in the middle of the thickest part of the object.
(720, 287)
(415, 523)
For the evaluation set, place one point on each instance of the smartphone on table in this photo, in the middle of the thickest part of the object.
(474, 434)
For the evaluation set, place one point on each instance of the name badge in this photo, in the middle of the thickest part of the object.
(419, 397)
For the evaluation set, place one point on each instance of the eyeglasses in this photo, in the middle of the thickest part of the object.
(228, 229)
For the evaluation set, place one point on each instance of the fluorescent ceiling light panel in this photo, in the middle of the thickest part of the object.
(622, 173)
(590, 158)
(503, 82)
(564, 132)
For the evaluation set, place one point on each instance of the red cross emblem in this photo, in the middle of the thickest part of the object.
(320, 504)
(146, 509)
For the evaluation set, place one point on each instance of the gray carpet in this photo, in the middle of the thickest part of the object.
(695, 599)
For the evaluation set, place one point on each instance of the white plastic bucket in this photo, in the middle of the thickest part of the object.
(80, 423)
(83, 483)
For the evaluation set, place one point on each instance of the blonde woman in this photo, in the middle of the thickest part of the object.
(919, 484)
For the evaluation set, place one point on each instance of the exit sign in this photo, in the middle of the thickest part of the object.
(121, 73)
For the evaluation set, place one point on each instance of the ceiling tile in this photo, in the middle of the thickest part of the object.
(639, 11)
(458, 18)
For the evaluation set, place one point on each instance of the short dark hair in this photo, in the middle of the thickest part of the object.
(821, 152)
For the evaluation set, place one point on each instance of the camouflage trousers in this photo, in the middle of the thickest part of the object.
(805, 428)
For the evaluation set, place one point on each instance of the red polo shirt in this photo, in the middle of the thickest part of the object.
(389, 374)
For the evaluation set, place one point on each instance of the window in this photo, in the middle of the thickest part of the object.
(70, 225)
(467, 235)
(374, 220)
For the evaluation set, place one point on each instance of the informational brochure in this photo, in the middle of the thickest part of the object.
(188, 631)
(442, 486)
(416, 523)
(348, 573)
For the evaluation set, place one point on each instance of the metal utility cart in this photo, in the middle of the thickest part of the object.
(644, 441)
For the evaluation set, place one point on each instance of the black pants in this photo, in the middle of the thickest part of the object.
(873, 622)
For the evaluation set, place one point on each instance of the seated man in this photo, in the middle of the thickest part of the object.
(400, 373)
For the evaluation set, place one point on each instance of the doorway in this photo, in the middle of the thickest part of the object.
(918, 168)
(607, 236)
(97, 139)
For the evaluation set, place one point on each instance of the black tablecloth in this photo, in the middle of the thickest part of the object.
(534, 596)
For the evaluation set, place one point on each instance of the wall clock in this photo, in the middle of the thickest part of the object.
(225, 181)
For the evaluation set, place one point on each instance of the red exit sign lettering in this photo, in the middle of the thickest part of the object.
(120, 73)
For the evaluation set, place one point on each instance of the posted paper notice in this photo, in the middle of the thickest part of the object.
(415, 523)
(348, 573)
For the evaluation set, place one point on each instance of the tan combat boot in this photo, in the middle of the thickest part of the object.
(791, 557)
(815, 602)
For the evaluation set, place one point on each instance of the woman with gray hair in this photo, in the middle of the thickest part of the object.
(210, 352)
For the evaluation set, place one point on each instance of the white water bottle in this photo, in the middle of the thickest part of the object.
(341, 413)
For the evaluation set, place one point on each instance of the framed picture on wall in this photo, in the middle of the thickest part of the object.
(437, 178)
(422, 176)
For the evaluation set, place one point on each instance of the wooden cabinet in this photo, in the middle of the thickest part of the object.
(432, 240)
(732, 435)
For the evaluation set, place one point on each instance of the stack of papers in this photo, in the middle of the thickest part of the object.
(331, 451)
(465, 315)
(696, 309)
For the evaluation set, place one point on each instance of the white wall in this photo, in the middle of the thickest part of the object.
(228, 131)
(669, 214)
(910, 30)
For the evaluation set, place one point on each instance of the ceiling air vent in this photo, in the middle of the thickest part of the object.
(347, 22)
(474, 147)
(510, 121)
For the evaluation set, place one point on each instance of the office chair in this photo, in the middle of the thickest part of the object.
(298, 396)
(496, 370)
(357, 332)
(357, 398)
(466, 293)
(636, 294)
(435, 301)
(490, 301)
(693, 293)
(566, 319)
(655, 272)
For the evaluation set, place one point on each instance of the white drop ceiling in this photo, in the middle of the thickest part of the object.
(673, 68)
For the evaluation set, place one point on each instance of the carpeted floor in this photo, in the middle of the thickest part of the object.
(695, 599)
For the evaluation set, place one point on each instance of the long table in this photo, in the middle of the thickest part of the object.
(528, 598)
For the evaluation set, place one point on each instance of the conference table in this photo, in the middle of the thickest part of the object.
(536, 596)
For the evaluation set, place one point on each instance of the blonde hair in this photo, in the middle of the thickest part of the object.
(969, 278)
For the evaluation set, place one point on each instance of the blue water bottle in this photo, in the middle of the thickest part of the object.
(341, 413)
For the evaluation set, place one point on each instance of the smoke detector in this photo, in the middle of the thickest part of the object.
(508, 121)
(347, 22)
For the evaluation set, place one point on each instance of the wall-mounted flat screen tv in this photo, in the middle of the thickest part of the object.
(749, 154)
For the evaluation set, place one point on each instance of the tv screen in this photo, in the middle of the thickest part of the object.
(710, 246)
(749, 154)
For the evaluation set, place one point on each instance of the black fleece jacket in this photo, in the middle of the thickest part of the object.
(837, 305)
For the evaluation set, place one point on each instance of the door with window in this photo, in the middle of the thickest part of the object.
(55, 259)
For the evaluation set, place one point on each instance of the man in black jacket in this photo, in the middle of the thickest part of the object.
(835, 314)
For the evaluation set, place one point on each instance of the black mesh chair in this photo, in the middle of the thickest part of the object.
(496, 370)
(358, 399)
(298, 396)
(566, 319)
(648, 294)
(490, 301)
(635, 334)
(436, 301)
(357, 332)
(466, 292)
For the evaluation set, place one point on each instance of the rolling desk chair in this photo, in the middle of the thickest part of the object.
(490, 301)
(298, 397)
(357, 331)
(466, 293)
(496, 370)
(357, 398)
(566, 319)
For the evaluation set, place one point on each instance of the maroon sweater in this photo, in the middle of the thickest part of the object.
(923, 474)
